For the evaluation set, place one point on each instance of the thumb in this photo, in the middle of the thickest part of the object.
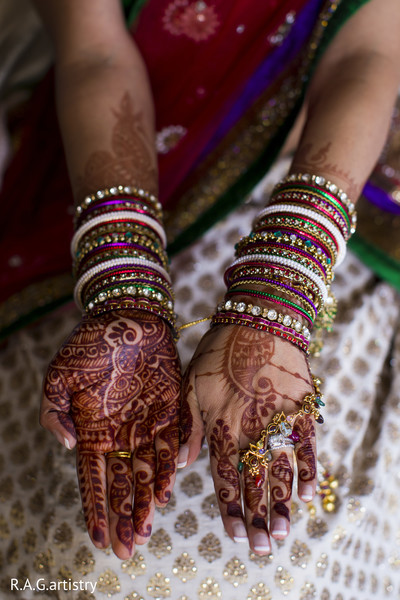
(191, 428)
(55, 408)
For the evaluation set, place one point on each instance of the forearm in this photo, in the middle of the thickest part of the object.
(104, 100)
(347, 122)
(106, 118)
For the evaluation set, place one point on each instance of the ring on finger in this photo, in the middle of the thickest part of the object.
(278, 441)
(119, 454)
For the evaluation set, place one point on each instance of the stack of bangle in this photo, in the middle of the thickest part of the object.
(119, 254)
(291, 252)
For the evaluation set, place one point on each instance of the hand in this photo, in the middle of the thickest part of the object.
(237, 381)
(115, 385)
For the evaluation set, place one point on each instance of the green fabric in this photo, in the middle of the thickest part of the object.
(235, 195)
(383, 265)
(132, 9)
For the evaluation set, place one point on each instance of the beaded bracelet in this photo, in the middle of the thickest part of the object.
(115, 191)
(266, 313)
(262, 273)
(300, 227)
(305, 195)
(137, 278)
(318, 264)
(322, 182)
(121, 217)
(283, 209)
(118, 204)
(276, 299)
(291, 264)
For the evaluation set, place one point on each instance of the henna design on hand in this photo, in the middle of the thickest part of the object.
(243, 377)
(132, 160)
(222, 449)
(120, 498)
(253, 496)
(317, 160)
(305, 427)
(121, 374)
(186, 418)
(281, 493)
(91, 477)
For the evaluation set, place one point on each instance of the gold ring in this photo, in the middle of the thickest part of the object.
(119, 454)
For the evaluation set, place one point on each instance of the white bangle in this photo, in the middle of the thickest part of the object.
(290, 208)
(287, 262)
(117, 262)
(117, 216)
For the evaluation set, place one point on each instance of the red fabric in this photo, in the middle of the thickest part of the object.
(193, 81)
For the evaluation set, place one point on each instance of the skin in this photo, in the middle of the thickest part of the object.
(115, 385)
(237, 381)
(101, 80)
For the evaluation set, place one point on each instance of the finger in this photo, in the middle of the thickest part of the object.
(167, 445)
(256, 510)
(306, 456)
(191, 428)
(224, 457)
(280, 485)
(55, 407)
(92, 483)
(144, 468)
(120, 496)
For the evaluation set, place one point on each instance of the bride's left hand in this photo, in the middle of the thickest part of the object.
(237, 381)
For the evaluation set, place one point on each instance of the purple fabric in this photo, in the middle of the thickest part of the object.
(268, 71)
(381, 199)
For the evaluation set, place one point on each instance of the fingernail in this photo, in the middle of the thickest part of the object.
(261, 542)
(239, 533)
(279, 527)
(66, 442)
(307, 493)
(183, 456)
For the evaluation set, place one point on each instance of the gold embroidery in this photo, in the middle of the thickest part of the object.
(209, 589)
(235, 572)
(308, 592)
(29, 541)
(300, 554)
(192, 485)
(210, 547)
(322, 565)
(43, 561)
(261, 561)
(84, 561)
(160, 543)
(210, 507)
(259, 592)
(283, 580)
(134, 596)
(108, 583)
(186, 524)
(134, 566)
(63, 537)
(159, 586)
(184, 567)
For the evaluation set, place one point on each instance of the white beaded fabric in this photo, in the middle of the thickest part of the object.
(352, 554)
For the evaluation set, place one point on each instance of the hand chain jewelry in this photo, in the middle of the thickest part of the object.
(259, 454)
